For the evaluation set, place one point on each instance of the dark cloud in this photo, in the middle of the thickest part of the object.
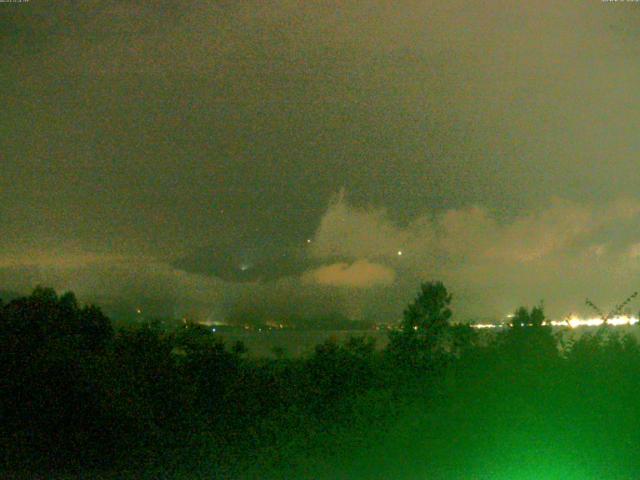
(207, 136)
(561, 253)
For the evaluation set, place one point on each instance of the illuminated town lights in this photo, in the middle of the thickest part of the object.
(574, 321)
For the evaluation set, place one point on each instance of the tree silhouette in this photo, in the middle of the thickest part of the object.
(422, 337)
(529, 338)
(43, 316)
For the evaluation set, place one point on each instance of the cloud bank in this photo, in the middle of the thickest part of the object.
(561, 253)
(490, 143)
(360, 274)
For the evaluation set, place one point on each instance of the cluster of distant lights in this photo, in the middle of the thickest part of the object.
(574, 322)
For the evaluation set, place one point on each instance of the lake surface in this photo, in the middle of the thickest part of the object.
(296, 343)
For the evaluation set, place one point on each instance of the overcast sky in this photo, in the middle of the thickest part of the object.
(148, 149)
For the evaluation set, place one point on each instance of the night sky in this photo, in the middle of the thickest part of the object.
(312, 157)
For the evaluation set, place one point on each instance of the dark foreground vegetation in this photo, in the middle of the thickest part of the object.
(80, 400)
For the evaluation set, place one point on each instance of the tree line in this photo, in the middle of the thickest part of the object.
(80, 396)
